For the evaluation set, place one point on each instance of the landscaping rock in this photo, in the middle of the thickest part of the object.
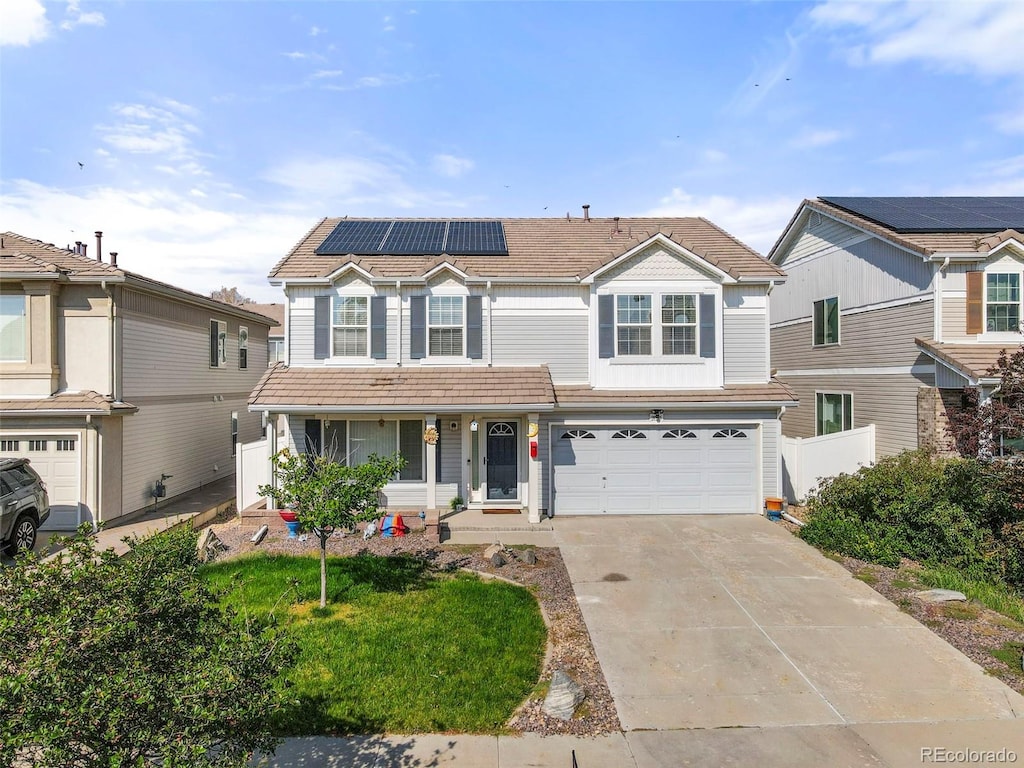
(492, 550)
(563, 697)
(941, 596)
(530, 557)
(497, 560)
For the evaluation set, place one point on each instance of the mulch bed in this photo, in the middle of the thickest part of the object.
(569, 645)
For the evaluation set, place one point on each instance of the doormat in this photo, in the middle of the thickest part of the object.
(502, 511)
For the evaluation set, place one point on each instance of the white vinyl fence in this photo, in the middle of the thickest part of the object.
(252, 469)
(805, 461)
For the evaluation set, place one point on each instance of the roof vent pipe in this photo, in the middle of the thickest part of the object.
(85, 247)
(78, 247)
(113, 258)
(617, 230)
(99, 246)
(586, 212)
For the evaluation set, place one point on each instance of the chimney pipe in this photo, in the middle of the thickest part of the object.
(78, 247)
(113, 258)
(586, 212)
(617, 230)
(85, 247)
(99, 249)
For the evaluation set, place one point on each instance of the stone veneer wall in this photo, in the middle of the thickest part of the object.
(933, 406)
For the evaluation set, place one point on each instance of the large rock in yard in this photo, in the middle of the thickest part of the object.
(941, 596)
(563, 697)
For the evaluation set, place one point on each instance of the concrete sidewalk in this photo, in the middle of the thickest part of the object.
(198, 506)
(875, 745)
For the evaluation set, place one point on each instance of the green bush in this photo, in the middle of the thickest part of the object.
(962, 513)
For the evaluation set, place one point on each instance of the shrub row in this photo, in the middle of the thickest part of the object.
(963, 513)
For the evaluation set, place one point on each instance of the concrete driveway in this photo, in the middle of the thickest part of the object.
(716, 622)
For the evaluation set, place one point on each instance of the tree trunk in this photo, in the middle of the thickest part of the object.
(323, 571)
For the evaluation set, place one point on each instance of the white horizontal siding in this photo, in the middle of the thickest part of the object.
(826, 234)
(745, 347)
(560, 341)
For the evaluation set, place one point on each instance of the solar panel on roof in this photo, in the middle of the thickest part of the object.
(476, 237)
(937, 214)
(354, 236)
(412, 237)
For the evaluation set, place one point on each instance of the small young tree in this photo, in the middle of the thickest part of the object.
(108, 661)
(326, 495)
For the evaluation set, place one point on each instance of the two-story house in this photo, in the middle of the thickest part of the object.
(893, 306)
(110, 381)
(569, 366)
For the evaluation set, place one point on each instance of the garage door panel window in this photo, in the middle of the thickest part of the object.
(729, 433)
(10, 445)
(834, 412)
(65, 445)
(37, 446)
(676, 434)
(629, 434)
(578, 434)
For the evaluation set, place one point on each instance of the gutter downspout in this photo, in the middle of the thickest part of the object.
(490, 326)
(96, 473)
(112, 347)
(398, 290)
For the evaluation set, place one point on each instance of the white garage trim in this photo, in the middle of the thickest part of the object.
(686, 467)
(62, 474)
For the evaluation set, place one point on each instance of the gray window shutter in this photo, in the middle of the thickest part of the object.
(214, 357)
(474, 327)
(379, 328)
(417, 327)
(322, 327)
(437, 452)
(606, 326)
(707, 325)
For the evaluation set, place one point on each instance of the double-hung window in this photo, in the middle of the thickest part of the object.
(243, 347)
(833, 412)
(218, 344)
(445, 324)
(633, 324)
(1002, 302)
(679, 324)
(12, 328)
(826, 321)
(350, 321)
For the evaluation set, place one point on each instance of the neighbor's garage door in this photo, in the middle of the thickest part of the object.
(56, 459)
(654, 470)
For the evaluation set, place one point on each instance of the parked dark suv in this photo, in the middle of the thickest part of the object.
(24, 505)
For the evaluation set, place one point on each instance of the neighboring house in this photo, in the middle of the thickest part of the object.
(893, 306)
(110, 380)
(570, 366)
(275, 338)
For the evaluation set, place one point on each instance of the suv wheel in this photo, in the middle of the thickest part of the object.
(23, 536)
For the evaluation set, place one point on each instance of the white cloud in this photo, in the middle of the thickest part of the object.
(323, 73)
(75, 17)
(315, 31)
(389, 25)
(148, 130)
(811, 138)
(303, 55)
(714, 156)
(24, 23)
(980, 36)
(375, 81)
(184, 239)
(451, 166)
(756, 222)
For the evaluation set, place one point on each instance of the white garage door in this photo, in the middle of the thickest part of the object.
(56, 459)
(654, 470)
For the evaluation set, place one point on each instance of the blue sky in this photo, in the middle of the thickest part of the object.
(213, 135)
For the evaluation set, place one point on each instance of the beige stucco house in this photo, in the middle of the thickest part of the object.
(110, 381)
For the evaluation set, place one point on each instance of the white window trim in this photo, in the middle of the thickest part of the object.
(222, 343)
(243, 343)
(431, 326)
(366, 355)
(25, 346)
(843, 394)
(1012, 336)
(657, 347)
(839, 322)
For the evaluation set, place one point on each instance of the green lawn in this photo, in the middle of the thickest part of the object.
(399, 649)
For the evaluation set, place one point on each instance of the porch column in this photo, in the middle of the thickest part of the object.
(533, 472)
(430, 420)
